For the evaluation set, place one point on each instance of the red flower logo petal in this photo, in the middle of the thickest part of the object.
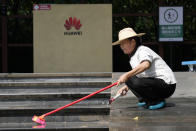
(72, 22)
(67, 25)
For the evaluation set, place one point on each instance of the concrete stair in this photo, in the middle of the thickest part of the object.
(25, 95)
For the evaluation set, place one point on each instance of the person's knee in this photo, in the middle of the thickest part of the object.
(136, 83)
(133, 82)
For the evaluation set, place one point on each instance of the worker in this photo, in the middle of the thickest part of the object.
(151, 80)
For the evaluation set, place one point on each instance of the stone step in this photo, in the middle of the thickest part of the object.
(55, 83)
(52, 96)
(54, 89)
(57, 126)
(24, 95)
(48, 104)
(77, 110)
(55, 75)
(50, 93)
(54, 79)
(60, 87)
(29, 108)
(65, 118)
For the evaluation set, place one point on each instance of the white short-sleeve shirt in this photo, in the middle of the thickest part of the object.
(158, 69)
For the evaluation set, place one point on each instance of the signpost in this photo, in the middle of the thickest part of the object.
(170, 24)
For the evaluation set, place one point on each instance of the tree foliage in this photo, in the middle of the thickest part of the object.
(149, 24)
(20, 29)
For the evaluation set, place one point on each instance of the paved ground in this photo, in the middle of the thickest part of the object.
(179, 114)
(125, 115)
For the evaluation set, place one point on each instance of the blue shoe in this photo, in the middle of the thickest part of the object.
(140, 104)
(157, 106)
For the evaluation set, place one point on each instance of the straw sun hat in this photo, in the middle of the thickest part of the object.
(126, 33)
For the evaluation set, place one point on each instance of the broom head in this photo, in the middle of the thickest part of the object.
(39, 119)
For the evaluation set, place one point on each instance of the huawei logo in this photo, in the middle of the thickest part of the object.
(72, 22)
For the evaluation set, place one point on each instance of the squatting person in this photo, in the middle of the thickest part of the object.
(150, 80)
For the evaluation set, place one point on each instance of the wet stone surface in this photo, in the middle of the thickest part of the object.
(178, 115)
(22, 98)
(19, 104)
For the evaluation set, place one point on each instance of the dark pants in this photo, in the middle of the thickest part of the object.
(150, 90)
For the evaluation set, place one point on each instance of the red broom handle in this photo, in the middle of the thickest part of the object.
(81, 99)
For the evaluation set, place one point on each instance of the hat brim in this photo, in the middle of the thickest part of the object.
(119, 41)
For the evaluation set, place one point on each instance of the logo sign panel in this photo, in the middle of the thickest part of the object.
(68, 38)
(170, 24)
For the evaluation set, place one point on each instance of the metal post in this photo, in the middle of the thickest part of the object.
(171, 56)
(161, 50)
(4, 38)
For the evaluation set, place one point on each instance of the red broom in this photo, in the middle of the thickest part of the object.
(114, 98)
(41, 120)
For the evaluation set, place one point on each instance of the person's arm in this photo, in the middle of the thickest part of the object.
(144, 65)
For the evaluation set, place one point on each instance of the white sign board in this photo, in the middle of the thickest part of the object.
(170, 23)
(72, 38)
